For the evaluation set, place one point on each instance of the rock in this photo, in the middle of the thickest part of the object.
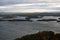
(45, 35)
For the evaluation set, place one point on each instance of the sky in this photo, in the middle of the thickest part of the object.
(29, 5)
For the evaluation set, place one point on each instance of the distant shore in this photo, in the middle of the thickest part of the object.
(30, 20)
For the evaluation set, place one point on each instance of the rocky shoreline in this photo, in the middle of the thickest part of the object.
(44, 35)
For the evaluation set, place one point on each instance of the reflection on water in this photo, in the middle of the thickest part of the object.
(12, 30)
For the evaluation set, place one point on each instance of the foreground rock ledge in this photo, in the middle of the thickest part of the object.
(45, 35)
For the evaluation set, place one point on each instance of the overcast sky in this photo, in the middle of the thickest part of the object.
(29, 5)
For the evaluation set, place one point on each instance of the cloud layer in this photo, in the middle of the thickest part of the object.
(5, 2)
(33, 6)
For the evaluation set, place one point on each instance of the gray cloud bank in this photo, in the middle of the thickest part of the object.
(5, 2)
(39, 4)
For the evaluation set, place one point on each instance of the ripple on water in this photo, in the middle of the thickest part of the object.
(11, 30)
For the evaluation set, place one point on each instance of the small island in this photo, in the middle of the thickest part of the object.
(44, 35)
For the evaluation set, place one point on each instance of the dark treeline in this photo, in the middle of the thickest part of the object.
(45, 35)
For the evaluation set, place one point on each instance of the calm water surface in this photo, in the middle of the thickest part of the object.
(11, 30)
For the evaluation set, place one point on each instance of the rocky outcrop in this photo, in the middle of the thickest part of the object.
(45, 35)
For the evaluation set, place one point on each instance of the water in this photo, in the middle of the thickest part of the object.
(11, 30)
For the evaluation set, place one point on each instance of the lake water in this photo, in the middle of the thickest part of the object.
(10, 30)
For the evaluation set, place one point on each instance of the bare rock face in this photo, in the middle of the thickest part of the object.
(45, 35)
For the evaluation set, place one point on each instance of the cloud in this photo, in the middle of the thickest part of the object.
(23, 6)
(36, 7)
(32, 10)
(31, 7)
(6, 2)
(54, 6)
